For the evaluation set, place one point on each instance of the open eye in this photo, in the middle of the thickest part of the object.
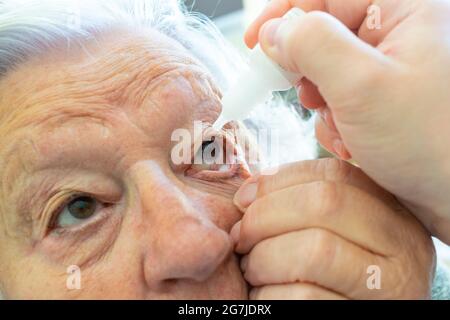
(213, 152)
(76, 211)
(217, 159)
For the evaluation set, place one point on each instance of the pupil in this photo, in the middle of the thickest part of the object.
(205, 144)
(82, 208)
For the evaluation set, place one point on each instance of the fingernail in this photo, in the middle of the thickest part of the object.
(321, 113)
(235, 232)
(294, 13)
(328, 117)
(339, 149)
(269, 32)
(246, 195)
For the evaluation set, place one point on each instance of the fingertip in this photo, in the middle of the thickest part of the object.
(330, 139)
(341, 151)
(250, 43)
(251, 38)
(245, 196)
(268, 35)
(274, 9)
(325, 135)
(310, 96)
(235, 233)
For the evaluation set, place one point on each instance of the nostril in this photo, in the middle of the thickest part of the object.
(169, 283)
(191, 249)
(217, 248)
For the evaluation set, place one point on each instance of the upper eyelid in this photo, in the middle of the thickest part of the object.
(214, 134)
(56, 202)
(98, 216)
(51, 210)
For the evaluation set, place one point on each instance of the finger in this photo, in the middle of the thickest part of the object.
(351, 12)
(310, 96)
(321, 48)
(383, 17)
(314, 256)
(305, 172)
(342, 209)
(325, 135)
(293, 291)
(329, 137)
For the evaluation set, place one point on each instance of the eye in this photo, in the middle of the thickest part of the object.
(205, 144)
(77, 211)
(216, 160)
(212, 151)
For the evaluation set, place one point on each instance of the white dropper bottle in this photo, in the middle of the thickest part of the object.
(255, 86)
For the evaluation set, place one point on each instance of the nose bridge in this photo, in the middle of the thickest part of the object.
(154, 187)
(180, 241)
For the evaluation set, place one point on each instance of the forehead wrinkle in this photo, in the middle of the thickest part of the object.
(89, 87)
(119, 73)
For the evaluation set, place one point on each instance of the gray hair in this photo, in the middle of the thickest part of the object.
(32, 27)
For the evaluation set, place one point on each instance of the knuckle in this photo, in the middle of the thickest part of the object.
(253, 272)
(251, 220)
(265, 184)
(323, 249)
(419, 265)
(329, 198)
(316, 21)
(298, 168)
(334, 169)
(312, 23)
(338, 169)
(371, 79)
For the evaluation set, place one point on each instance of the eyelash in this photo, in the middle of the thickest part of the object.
(58, 211)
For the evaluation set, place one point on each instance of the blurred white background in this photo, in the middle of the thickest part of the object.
(231, 16)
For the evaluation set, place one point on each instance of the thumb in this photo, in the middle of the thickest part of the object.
(325, 51)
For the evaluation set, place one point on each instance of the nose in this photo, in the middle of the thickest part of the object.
(188, 249)
(179, 239)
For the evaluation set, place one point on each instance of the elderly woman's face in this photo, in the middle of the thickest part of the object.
(87, 178)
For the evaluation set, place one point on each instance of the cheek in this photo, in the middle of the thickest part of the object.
(220, 210)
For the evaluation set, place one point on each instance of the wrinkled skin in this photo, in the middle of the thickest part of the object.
(323, 230)
(101, 124)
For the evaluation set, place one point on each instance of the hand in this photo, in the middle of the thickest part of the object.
(383, 93)
(313, 230)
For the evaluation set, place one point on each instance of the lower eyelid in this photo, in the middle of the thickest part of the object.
(234, 167)
(214, 176)
(99, 217)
